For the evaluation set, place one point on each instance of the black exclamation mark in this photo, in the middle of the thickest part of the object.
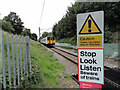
(89, 25)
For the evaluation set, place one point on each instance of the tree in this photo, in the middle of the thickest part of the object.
(50, 34)
(34, 36)
(44, 34)
(15, 21)
(6, 26)
(26, 32)
(54, 30)
(66, 27)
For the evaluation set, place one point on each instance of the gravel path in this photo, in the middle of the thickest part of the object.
(70, 68)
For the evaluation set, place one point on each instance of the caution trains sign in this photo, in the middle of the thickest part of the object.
(90, 29)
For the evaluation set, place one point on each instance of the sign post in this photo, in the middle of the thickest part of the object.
(90, 42)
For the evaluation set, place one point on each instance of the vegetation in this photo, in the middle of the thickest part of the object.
(71, 40)
(34, 36)
(15, 21)
(66, 47)
(46, 34)
(26, 32)
(13, 24)
(6, 26)
(66, 27)
(45, 69)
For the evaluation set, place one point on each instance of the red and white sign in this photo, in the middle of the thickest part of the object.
(91, 65)
(90, 85)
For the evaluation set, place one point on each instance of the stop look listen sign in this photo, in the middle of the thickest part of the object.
(91, 65)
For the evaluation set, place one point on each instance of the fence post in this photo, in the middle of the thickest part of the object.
(0, 63)
(8, 57)
(23, 53)
(20, 54)
(17, 60)
(29, 53)
(13, 57)
(28, 61)
(0, 56)
(26, 42)
(3, 61)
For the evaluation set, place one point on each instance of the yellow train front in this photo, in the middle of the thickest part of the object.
(49, 40)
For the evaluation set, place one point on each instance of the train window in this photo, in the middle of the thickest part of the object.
(48, 38)
(53, 38)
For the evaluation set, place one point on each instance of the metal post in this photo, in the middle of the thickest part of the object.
(39, 34)
(26, 42)
(17, 60)
(13, 57)
(8, 56)
(3, 61)
(29, 53)
(23, 53)
(20, 54)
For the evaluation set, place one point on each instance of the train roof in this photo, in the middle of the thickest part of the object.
(47, 36)
(50, 36)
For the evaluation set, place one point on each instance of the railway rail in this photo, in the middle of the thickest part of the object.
(111, 75)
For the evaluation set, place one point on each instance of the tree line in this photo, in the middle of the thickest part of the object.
(67, 26)
(13, 24)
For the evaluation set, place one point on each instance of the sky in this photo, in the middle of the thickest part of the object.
(30, 12)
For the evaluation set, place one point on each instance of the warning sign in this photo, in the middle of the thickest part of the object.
(90, 27)
(90, 41)
(91, 65)
(90, 30)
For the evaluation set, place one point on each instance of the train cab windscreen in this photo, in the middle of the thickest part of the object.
(48, 38)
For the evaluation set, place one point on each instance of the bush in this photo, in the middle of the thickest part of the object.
(108, 38)
(6, 26)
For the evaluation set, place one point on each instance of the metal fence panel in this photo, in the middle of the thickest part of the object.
(17, 59)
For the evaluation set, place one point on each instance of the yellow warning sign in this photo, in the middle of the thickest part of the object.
(90, 27)
(90, 41)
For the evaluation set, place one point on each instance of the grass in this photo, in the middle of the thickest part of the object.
(71, 41)
(66, 47)
(48, 68)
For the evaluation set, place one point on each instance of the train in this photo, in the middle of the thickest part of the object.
(49, 40)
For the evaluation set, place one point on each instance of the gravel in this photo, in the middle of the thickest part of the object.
(70, 68)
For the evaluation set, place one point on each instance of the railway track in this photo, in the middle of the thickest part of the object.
(112, 76)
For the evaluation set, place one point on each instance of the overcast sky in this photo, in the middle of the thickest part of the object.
(30, 12)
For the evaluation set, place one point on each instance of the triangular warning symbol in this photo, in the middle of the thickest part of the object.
(90, 27)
